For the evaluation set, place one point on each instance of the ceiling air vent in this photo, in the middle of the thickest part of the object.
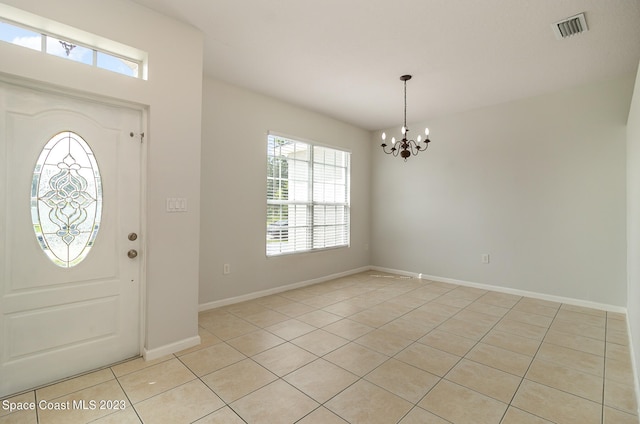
(570, 26)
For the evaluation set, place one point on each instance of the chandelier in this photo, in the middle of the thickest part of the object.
(406, 147)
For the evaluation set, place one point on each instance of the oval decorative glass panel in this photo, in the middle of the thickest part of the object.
(66, 199)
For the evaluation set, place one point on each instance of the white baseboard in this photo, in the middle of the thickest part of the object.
(158, 352)
(634, 367)
(518, 292)
(276, 290)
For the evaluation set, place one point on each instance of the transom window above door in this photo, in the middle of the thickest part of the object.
(24, 29)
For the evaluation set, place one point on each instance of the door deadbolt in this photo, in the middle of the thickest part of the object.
(132, 236)
(132, 253)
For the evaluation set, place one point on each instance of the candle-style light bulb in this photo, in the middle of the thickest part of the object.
(384, 136)
(426, 132)
(419, 138)
(404, 130)
(393, 140)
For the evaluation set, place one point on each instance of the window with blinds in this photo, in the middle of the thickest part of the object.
(307, 196)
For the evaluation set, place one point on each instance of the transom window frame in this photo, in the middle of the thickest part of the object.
(99, 55)
(307, 237)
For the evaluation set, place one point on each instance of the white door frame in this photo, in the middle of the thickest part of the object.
(72, 94)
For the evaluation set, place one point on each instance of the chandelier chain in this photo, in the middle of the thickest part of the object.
(405, 105)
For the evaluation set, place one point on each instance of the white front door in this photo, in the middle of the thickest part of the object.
(70, 213)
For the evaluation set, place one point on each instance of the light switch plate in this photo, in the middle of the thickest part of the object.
(176, 204)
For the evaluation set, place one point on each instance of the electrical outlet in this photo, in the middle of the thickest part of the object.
(485, 258)
(226, 269)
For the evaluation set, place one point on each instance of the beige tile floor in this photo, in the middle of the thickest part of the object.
(371, 348)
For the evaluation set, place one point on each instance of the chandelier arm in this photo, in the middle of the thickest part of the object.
(415, 148)
(393, 151)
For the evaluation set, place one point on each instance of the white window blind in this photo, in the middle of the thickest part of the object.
(307, 196)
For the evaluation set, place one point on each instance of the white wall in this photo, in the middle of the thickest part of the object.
(633, 225)
(233, 229)
(173, 94)
(539, 184)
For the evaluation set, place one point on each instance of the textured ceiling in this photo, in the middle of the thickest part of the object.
(344, 58)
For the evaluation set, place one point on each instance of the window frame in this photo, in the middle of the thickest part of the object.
(307, 243)
(45, 36)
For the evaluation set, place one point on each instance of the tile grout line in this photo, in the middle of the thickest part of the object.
(470, 349)
(362, 378)
(199, 378)
(604, 365)
(533, 358)
(602, 403)
(35, 398)
(126, 395)
(440, 378)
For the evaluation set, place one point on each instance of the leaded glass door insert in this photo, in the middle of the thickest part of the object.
(66, 199)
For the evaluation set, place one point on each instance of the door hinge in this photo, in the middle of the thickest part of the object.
(132, 134)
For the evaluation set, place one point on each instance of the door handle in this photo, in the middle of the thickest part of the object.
(132, 253)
